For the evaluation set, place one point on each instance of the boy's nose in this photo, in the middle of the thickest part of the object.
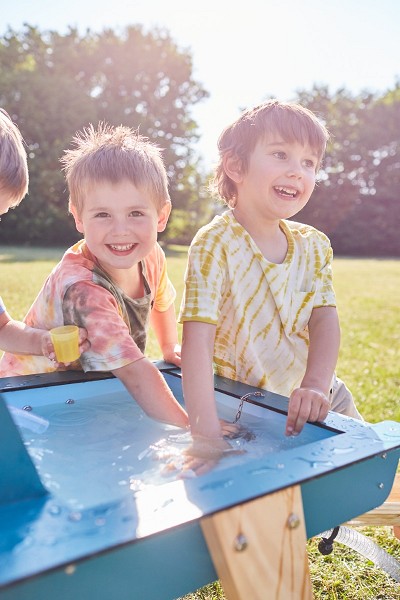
(120, 225)
(295, 170)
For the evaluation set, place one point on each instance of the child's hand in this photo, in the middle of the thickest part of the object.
(172, 354)
(205, 453)
(48, 348)
(234, 431)
(305, 404)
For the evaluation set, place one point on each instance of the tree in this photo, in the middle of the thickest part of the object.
(357, 199)
(53, 85)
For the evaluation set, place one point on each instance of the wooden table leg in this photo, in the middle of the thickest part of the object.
(259, 548)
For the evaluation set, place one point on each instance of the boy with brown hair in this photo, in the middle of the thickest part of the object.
(259, 306)
(114, 280)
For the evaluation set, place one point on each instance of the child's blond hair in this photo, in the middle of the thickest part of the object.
(292, 122)
(112, 154)
(14, 178)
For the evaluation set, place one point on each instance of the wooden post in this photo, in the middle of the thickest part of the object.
(259, 548)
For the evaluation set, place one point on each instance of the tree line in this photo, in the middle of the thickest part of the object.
(53, 85)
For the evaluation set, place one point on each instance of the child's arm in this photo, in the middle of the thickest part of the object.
(18, 338)
(165, 328)
(310, 401)
(198, 390)
(148, 387)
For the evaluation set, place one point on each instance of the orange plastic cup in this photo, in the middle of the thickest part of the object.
(66, 343)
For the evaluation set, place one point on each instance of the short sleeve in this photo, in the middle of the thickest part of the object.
(2, 306)
(95, 308)
(325, 294)
(204, 281)
(165, 294)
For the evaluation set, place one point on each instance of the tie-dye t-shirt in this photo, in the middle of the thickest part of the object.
(78, 292)
(261, 309)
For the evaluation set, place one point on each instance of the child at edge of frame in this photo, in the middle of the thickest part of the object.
(14, 179)
(259, 305)
(114, 280)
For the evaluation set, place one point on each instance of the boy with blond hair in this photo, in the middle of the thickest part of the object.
(259, 305)
(14, 335)
(115, 279)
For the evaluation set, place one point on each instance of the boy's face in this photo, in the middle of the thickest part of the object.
(120, 223)
(279, 179)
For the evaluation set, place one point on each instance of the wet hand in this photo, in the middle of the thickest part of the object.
(305, 404)
(235, 431)
(204, 454)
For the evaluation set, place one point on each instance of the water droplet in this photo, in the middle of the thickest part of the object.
(75, 516)
(54, 510)
(343, 450)
(217, 484)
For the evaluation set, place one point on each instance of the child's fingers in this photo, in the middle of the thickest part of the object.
(305, 405)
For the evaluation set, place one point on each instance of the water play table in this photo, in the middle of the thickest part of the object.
(115, 537)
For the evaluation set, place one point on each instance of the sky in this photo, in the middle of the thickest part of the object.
(245, 52)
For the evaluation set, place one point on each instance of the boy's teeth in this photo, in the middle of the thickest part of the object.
(286, 191)
(121, 247)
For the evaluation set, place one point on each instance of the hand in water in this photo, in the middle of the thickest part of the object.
(205, 453)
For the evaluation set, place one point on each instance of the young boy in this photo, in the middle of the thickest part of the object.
(16, 336)
(114, 279)
(258, 300)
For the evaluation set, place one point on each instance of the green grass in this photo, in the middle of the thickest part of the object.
(368, 294)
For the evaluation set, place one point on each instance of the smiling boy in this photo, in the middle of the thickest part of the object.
(259, 305)
(114, 280)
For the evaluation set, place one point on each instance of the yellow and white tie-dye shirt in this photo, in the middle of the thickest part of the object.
(78, 292)
(261, 310)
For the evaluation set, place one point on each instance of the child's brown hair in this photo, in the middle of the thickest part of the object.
(14, 178)
(112, 154)
(291, 121)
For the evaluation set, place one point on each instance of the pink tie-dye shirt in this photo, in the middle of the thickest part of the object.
(76, 292)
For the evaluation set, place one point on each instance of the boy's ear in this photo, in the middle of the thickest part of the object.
(163, 216)
(233, 167)
(78, 222)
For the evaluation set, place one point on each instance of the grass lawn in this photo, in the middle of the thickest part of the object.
(368, 296)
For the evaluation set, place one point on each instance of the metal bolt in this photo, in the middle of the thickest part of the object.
(240, 542)
(293, 521)
(381, 486)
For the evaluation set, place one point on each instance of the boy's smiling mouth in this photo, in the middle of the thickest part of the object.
(286, 192)
(121, 248)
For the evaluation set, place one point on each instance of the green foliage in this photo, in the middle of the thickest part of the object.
(53, 85)
(357, 201)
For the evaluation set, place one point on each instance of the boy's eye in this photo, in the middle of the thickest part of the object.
(102, 215)
(136, 213)
(280, 155)
(310, 164)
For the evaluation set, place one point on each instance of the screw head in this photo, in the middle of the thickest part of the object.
(240, 542)
(293, 521)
